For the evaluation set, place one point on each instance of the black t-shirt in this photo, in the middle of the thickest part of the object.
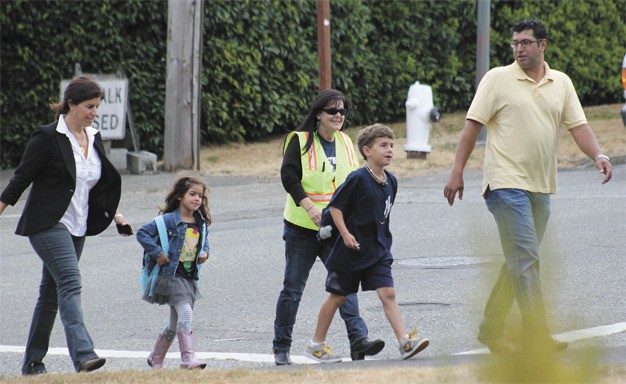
(187, 267)
(366, 206)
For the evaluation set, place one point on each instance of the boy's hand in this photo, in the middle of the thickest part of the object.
(162, 259)
(202, 258)
(350, 242)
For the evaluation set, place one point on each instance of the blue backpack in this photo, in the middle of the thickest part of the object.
(149, 268)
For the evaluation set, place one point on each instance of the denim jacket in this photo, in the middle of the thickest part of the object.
(148, 237)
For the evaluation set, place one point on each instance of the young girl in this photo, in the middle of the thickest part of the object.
(186, 216)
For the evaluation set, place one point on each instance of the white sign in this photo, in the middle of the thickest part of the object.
(111, 120)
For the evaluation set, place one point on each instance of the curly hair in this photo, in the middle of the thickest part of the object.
(539, 30)
(368, 135)
(182, 185)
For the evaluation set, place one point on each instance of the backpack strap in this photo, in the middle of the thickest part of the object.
(160, 223)
(203, 233)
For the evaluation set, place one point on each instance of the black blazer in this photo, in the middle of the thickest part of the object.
(48, 164)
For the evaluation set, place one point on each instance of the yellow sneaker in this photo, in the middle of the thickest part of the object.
(412, 345)
(322, 353)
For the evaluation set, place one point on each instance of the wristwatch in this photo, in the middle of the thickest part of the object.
(605, 157)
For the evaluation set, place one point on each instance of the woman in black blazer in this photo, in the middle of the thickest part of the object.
(75, 193)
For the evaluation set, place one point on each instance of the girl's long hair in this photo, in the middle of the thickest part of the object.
(182, 185)
(324, 99)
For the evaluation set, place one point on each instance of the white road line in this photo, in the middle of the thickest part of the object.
(581, 334)
(250, 357)
(588, 333)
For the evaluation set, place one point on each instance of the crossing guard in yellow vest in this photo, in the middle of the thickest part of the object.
(317, 159)
(318, 179)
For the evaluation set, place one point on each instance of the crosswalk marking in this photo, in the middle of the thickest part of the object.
(580, 334)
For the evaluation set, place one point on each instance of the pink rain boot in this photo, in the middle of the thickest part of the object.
(187, 354)
(155, 359)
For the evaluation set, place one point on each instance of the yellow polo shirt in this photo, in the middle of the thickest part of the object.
(522, 119)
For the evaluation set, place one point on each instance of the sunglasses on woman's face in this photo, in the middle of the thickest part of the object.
(333, 111)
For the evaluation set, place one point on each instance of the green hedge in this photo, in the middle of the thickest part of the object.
(260, 58)
(42, 41)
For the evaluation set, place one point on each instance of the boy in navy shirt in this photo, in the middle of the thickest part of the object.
(362, 252)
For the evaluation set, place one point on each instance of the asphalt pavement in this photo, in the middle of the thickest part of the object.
(446, 257)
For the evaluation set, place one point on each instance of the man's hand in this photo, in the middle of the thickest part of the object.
(604, 166)
(467, 141)
(453, 186)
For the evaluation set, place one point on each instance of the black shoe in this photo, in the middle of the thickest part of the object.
(91, 365)
(545, 345)
(558, 346)
(34, 369)
(282, 358)
(366, 348)
(496, 346)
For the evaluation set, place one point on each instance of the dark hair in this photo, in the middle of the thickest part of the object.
(539, 30)
(368, 135)
(324, 99)
(182, 185)
(78, 90)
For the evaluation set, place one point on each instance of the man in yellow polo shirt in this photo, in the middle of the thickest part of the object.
(523, 105)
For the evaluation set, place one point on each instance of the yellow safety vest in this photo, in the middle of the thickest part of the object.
(318, 180)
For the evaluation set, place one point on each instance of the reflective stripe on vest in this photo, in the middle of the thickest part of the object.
(318, 180)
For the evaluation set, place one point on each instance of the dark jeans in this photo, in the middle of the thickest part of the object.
(60, 288)
(300, 254)
(521, 217)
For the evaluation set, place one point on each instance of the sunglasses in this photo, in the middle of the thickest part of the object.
(333, 111)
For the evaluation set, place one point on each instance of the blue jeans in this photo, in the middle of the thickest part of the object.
(300, 254)
(60, 288)
(521, 217)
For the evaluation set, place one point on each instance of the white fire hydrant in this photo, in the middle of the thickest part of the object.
(420, 114)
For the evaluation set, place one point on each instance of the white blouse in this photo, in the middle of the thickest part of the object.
(88, 172)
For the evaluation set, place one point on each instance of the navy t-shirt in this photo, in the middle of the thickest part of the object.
(366, 206)
(329, 151)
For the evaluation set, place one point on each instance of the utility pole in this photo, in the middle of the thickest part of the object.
(182, 88)
(323, 43)
(482, 49)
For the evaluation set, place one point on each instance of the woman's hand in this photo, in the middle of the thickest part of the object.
(123, 228)
(315, 214)
(202, 258)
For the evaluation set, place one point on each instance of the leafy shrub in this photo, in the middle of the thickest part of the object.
(260, 69)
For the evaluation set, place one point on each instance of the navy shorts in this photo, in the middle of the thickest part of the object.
(344, 283)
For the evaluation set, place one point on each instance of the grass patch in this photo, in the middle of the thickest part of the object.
(263, 159)
(514, 372)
